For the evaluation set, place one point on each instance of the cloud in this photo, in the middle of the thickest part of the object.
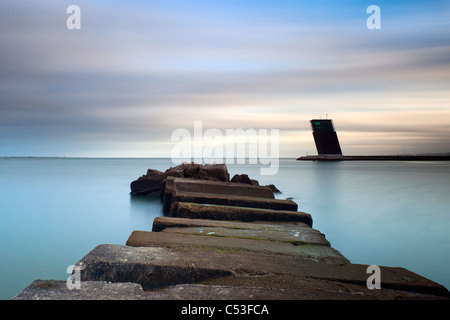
(135, 73)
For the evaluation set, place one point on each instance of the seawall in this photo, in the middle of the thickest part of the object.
(376, 158)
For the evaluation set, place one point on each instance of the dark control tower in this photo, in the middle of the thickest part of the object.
(326, 139)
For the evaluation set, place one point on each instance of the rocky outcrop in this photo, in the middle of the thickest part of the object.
(241, 178)
(155, 180)
(273, 188)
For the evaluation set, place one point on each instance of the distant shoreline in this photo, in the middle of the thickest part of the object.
(425, 157)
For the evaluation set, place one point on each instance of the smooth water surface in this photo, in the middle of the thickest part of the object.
(54, 211)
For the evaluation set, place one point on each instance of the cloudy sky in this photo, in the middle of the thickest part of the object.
(138, 70)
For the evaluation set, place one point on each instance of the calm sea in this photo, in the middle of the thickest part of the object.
(54, 211)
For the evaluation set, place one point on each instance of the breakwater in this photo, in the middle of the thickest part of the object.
(376, 158)
(241, 244)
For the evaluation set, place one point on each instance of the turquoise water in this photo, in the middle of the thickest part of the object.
(54, 211)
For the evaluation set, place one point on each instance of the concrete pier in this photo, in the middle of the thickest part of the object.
(376, 158)
(227, 241)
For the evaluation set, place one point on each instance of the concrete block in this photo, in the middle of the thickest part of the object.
(89, 290)
(208, 186)
(305, 250)
(297, 236)
(252, 287)
(160, 223)
(238, 201)
(154, 267)
(233, 213)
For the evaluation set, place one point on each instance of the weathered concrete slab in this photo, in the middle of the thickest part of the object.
(243, 293)
(160, 223)
(151, 267)
(232, 244)
(166, 193)
(249, 288)
(89, 290)
(225, 292)
(235, 213)
(239, 201)
(301, 288)
(295, 237)
(229, 188)
(298, 233)
(161, 267)
(214, 187)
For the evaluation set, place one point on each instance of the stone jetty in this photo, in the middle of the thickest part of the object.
(226, 239)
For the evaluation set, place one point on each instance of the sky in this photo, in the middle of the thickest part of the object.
(138, 70)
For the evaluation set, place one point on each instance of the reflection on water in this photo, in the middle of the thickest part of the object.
(54, 211)
(146, 207)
